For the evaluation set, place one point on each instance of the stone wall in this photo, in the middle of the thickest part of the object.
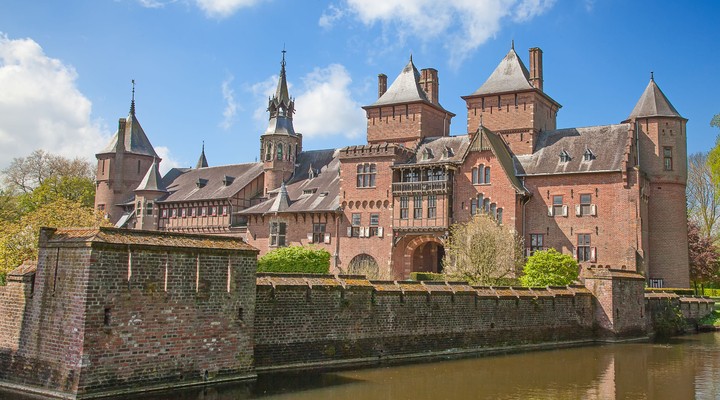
(302, 321)
(116, 311)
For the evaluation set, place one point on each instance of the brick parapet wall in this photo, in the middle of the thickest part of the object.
(303, 320)
(693, 309)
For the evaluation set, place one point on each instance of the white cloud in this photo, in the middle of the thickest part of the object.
(324, 105)
(223, 8)
(329, 16)
(168, 161)
(155, 3)
(463, 24)
(231, 106)
(41, 106)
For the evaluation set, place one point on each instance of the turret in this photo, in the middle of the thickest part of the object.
(148, 192)
(122, 164)
(202, 161)
(662, 158)
(280, 144)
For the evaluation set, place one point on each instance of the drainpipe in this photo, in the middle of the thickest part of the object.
(337, 241)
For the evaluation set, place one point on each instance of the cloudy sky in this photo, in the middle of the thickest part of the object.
(204, 68)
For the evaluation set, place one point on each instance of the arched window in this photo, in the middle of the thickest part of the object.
(487, 175)
(486, 206)
(499, 215)
(268, 152)
(279, 151)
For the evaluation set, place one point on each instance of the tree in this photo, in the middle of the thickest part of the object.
(296, 259)
(73, 188)
(702, 195)
(714, 154)
(19, 239)
(482, 252)
(549, 268)
(27, 173)
(703, 256)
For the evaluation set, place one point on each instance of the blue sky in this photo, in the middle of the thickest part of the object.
(204, 68)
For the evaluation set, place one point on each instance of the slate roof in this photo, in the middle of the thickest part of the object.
(135, 139)
(653, 103)
(509, 76)
(606, 142)
(184, 187)
(137, 237)
(437, 147)
(320, 193)
(152, 180)
(406, 89)
(202, 161)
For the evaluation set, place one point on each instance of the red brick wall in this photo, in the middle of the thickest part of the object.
(405, 123)
(109, 191)
(615, 229)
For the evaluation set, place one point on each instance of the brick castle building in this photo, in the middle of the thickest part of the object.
(609, 195)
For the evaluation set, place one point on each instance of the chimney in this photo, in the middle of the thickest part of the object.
(536, 69)
(382, 85)
(429, 83)
(121, 135)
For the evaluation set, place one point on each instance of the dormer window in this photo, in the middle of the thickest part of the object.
(311, 173)
(588, 155)
(427, 154)
(564, 157)
(228, 180)
(201, 182)
(448, 152)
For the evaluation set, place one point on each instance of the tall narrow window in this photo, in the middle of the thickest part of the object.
(558, 205)
(585, 205)
(356, 225)
(417, 207)
(403, 207)
(486, 206)
(487, 175)
(583, 247)
(537, 242)
(374, 224)
(499, 216)
(277, 234)
(279, 151)
(667, 158)
(432, 206)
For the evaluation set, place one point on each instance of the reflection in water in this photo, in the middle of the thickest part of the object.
(685, 368)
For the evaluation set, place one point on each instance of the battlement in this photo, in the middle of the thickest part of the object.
(375, 150)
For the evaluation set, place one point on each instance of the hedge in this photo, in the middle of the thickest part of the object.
(426, 276)
(678, 291)
(296, 259)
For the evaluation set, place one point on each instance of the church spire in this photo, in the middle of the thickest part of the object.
(132, 102)
(281, 106)
(202, 161)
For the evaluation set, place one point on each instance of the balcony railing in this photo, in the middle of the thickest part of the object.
(421, 187)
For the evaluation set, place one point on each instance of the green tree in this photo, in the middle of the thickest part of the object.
(296, 259)
(714, 155)
(549, 267)
(703, 197)
(73, 188)
(19, 239)
(24, 174)
(703, 256)
(482, 252)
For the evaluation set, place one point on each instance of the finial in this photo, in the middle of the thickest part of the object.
(512, 44)
(411, 56)
(132, 102)
(652, 76)
(283, 55)
(203, 146)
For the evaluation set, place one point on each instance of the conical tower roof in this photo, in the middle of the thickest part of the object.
(152, 182)
(135, 139)
(509, 76)
(653, 103)
(405, 88)
(202, 161)
(281, 202)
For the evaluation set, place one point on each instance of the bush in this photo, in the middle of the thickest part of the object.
(711, 292)
(426, 276)
(677, 291)
(549, 268)
(296, 259)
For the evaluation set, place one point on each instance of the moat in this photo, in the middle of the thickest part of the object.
(686, 367)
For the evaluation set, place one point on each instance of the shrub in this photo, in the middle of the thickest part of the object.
(426, 276)
(549, 268)
(677, 291)
(296, 259)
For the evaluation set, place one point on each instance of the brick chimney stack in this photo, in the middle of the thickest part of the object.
(382, 84)
(536, 68)
(429, 83)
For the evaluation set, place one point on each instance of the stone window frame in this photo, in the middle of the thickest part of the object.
(355, 222)
(366, 175)
(374, 224)
(667, 158)
(278, 233)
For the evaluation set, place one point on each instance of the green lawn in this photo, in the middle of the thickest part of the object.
(714, 318)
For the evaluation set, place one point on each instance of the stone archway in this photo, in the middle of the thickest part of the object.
(423, 254)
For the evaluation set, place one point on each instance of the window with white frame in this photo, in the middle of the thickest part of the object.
(277, 233)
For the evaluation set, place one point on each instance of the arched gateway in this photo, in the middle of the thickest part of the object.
(424, 254)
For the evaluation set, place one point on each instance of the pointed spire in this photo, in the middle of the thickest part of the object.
(202, 161)
(152, 181)
(281, 202)
(281, 94)
(653, 103)
(132, 102)
(512, 44)
(281, 106)
(509, 76)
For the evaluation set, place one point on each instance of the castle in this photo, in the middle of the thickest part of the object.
(610, 195)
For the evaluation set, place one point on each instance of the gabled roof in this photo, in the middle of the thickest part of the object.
(653, 103)
(488, 139)
(607, 143)
(152, 180)
(509, 76)
(185, 186)
(135, 139)
(438, 146)
(305, 194)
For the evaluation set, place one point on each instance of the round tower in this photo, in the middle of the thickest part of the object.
(662, 154)
(122, 164)
(279, 145)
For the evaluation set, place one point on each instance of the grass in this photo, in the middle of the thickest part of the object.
(714, 318)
